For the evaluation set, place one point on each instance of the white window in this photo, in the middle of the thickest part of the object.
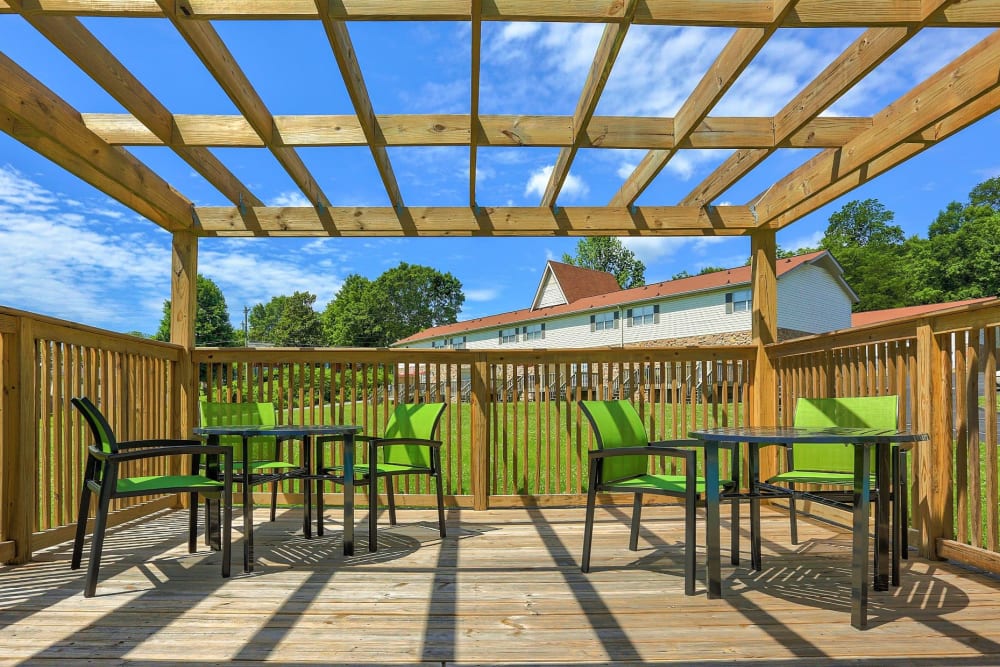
(437, 344)
(643, 315)
(534, 332)
(603, 321)
(508, 336)
(457, 343)
(739, 302)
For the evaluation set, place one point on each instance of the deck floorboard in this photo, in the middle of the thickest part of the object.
(503, 588)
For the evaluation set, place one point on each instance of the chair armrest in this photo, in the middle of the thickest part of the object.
(196, 449)
(381, 442)
(673, 452)
(159, 442)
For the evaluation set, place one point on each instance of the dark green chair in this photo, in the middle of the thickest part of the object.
(407, 447)
(266, 463)
(102, 476)
(833, 465)
(621, 464)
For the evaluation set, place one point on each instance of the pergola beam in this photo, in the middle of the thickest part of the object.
(72, 38)
(600, 69)
(193, 130)
(350, 70)
(499, 221)
(36, 116)
(727, 67)
(727, 13)
(969, 77)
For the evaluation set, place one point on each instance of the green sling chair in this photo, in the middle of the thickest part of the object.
(266, 464)
(102, 476)
(833, 465)
(408, 447)
(621, 464)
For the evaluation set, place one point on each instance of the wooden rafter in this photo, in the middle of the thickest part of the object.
(727, 13)
(499, 221)
(209, 47)
(476, 51)
(604, 59)
(454, 130)
(734, 58)
(969, 77)
(39, 118)
(857, 60)
(83, 48)
(340, 41)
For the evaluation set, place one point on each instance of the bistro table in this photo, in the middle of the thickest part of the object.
(863, 439)
(311, 435)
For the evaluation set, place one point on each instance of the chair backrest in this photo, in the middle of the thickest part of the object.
(104, 437)
(857, 412)
(617, 424)
(241, 414)
(418, 421)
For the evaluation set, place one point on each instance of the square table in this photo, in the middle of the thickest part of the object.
(863, 440)
(308, 434)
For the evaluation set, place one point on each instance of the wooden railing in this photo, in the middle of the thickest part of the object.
(943, 369)
(46, 362)
(512, 432)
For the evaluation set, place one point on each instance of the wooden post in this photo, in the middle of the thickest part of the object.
(19, 443)
(764, 330)
(934, 458)
(183, 311)
(480, 458)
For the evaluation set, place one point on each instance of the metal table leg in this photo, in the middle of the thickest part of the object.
(349, 494)
(859, 550)
(712, 540)
(247, 509)
(882, 465)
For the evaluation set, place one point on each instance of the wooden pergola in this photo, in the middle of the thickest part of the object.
(852, 150)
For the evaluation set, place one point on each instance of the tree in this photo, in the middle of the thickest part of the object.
(607, 253)
(352, 318)
(212, 327)
(287, 321)
(860, 224)
(397, 304)
(874, 254)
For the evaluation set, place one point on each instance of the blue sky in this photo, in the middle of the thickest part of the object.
(68, 251)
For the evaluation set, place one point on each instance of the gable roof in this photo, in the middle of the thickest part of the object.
(738, 276)
(575, 282)
(877, 316)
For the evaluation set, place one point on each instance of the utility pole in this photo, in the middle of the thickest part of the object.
(246, 330)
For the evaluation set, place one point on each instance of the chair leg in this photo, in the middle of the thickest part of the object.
(588, 522)
(440, 495)
(274, 499)
(81, 528)
(903, 498)
(792, 522)
(193, 523)
(633, 538)
(97, 541)
(390, 496)
(690, 554)
(227, 532)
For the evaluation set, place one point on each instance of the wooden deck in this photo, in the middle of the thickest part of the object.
(504, 587)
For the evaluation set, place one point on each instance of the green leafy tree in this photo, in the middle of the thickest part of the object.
(397, 304)
(212, 327)
(286, 321)
(874, 254)
(961, 257)
(607, 253)
(352, 318)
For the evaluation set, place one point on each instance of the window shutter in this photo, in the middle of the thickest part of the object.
(593, 323)
(656, 313)
(628, 316)
(729, 303)
(500, 336)
(617, 314)
(543, 330)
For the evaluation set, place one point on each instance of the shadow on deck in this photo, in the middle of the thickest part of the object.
(503, 588)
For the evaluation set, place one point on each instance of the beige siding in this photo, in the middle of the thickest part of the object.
(811, 299)
(551, 294)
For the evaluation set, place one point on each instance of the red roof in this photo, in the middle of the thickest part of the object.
(668, 288)
(876, 316)
(578, 283)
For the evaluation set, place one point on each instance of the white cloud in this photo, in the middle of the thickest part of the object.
(487, 294)
(654, 249)
(572, 187)
(809, 241)
(518, 30)
(625, 169)
(291, 198)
